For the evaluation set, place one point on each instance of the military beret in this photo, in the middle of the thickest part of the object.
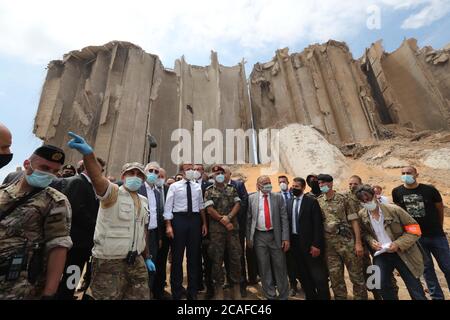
(325, 178)
(51, 153)
(217, 169)
(68, 166)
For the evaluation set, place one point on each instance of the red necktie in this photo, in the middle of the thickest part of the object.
(267, 212)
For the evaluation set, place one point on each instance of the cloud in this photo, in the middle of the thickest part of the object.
(39, 31)
(45, 30)
(429, 14)
(431, 11)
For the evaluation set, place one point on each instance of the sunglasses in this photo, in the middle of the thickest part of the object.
(153, 171)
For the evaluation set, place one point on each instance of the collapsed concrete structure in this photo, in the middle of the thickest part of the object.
(117, 96)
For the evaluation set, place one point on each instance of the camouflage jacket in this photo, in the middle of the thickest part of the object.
(354, 204)
(337, 214)
(43, 219)
(223, 200)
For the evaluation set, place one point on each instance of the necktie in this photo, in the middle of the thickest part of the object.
(286, 197)
(161, 192)
(189, 197)
(297, 207)
(267, 212)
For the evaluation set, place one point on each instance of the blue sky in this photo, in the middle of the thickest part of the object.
(34, 32)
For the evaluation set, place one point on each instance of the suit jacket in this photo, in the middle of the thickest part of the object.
(280, 221)
(243, 195)
(309, 223)
(159, 209)
(85, 206)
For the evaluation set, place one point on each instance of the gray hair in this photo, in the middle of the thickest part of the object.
(152, 164)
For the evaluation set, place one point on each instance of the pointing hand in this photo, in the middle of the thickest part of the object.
(78, 143)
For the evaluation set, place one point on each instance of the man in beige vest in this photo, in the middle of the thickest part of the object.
(119, 266)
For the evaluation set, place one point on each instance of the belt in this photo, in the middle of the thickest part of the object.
(264, 230)
(185, 213)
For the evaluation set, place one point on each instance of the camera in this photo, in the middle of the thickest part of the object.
(131, 257)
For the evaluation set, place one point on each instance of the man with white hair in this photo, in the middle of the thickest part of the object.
(155, 212)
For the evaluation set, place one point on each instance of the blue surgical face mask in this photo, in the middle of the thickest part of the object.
(267, 188)
(133, 183)
(160, 182)
(152, 178)
(324, 189)
(408, 179)
(220, 178)
(39, 179)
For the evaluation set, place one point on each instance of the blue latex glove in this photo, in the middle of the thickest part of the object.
(150, 265)
(79, 144)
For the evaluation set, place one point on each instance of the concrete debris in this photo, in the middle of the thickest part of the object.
(117, 95)
(303, 150)
(438, 159)
(322, 86)
(394, 163)
(408, 89)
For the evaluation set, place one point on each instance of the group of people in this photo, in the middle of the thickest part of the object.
(123, 234)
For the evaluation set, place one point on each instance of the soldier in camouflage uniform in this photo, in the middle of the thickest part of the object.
(34, 229)
(342, 241)
(223, 203)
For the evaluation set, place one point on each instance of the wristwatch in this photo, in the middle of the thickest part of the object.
(230, 217)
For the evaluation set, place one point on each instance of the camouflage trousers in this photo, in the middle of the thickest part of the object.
(219, 241)
(116, 280)
(340, 252)
(21, 289)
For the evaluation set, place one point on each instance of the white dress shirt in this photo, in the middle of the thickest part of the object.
(294, 213)
(378, 227)
(152, 211)
(176, 200)
(261, 221)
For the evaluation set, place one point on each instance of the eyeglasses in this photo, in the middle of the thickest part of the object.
(153, 171)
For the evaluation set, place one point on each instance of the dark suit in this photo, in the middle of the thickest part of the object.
(312, 272)
(85, 204)
(163, 252)
(154, 235)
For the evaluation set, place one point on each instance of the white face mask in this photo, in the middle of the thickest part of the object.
(197, 175)
(190, 175)
(283, 186)
(370, 205)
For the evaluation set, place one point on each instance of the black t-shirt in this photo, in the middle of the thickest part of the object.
(420, 203)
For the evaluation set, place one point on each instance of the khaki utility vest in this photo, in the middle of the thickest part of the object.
(118, 229)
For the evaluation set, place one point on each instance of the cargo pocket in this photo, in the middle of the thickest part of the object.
(117, 241)
(126, 211)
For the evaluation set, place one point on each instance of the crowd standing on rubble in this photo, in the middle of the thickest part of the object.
(64, 227)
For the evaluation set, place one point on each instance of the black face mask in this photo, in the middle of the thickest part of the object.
(5, 159)
(297, 192)
(315, 187)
